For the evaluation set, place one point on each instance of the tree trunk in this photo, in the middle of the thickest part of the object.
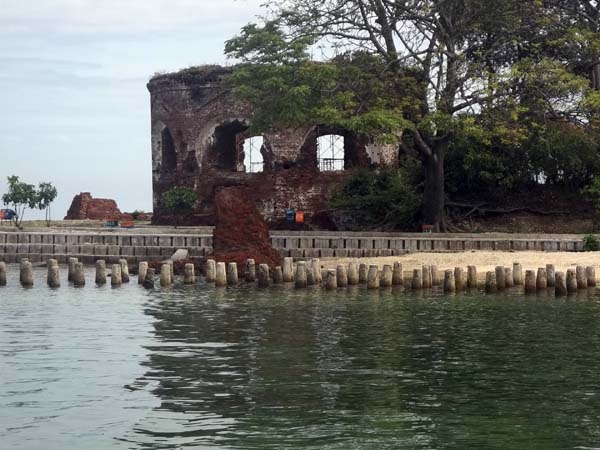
(433, 195)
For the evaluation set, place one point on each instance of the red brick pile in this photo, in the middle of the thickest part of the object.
(240, 232)
(84, 207)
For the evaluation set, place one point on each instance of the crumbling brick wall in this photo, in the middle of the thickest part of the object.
(84, 206)
(198, 131)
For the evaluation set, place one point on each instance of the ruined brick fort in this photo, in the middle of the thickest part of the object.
(200, 139)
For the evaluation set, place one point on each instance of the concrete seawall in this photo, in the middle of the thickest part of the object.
(138, 245)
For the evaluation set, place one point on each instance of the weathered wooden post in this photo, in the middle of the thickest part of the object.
(542, 278)
(26, 274)
(189, 274)
(426, 271)
(490, 282)
(211, 270)
(263, 276)
(517, 274)
(2, 273)
(435, 276)
(277, 275)
(530, 282)
(500, 278)
(342, 276)
(149, 278)
(331, 280)
(472, 277)
(508, 277)
(232, 274)
(417, 279)
(288, 270)
(250, 275)
(124, 270)
(221, 275)
(352, 273)
(449, 281)
(386, 276)
(79, 275)
(53, 273)
(142, 271)
(373, 277)
(550, 275)
(363, 271)
(459, 279)
(581, 279)
(571, 281)
(115, 275)
(590, 275)
(300, 274)
(397, 275)
(560, 285)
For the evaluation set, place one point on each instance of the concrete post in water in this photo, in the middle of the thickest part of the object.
(342, 276)
(232, 274)
(581, 279)
(373, 277)
(363, 272)
(417, 279)
(300, 275)
(426, 270)
(508, 277)
(542, 278)
(263, 275)
(71, 270)
(172, 268)
(316, 267)
(51, 262)
(398, 274)
(288, 270)
(101, 271)
(278, 275)
(250, 271)
(26, 274)
(490, 282)
(22, 262)
(386, 276)
(124, 270)
(310, 274)
(165, 275)
(79, 275)
(517, 274)
(54, 276)
(472, 277)
(211, 270)
(550, 274)
(142, 271)
(435, 275)
(352, 273)
(189, 274)
(459, 279)
(571, 281)
(220, 275)
(560, 284)
(500, 278)
(149, 278)
(590, 275)
(530, 282)
(115, 275)
(331, 280)
(2, 273)
(449, 281)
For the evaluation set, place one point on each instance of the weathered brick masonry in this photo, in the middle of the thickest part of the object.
(198, 133)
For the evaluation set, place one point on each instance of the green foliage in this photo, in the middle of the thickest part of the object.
(136, 214)
(179, 200)
(383, 198)
(20, 196)
(591, 243)
(46, 194)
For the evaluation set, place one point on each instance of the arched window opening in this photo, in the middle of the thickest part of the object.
(253, 157)
(330, 152)
(227, 146)
(168, 153)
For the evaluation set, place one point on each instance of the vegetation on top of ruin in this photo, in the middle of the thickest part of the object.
(195, 75)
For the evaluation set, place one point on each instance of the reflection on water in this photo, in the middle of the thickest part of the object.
(195, 367)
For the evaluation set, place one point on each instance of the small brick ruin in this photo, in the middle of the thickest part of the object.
(200, 139)
(84, 206)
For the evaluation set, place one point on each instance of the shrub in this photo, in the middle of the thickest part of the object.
(591, 243)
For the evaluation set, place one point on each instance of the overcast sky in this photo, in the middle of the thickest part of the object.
(74, 104)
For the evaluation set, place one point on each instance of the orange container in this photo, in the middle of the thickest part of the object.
(299, 216)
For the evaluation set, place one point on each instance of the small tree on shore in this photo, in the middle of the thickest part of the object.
(20, 196)
(46, 194)
(180, 201)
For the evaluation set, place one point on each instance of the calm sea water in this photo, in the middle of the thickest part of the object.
(195, 367)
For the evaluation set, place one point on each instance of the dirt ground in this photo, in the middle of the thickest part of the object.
(483, 260)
